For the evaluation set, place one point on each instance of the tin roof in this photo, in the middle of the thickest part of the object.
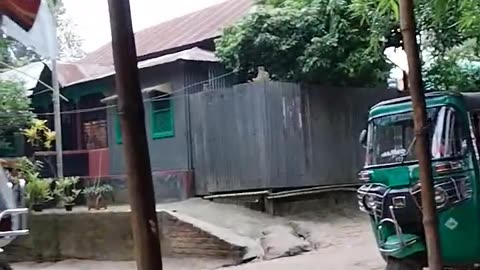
(193, 54)
(69, 73)
(74, 73)
(182, 31)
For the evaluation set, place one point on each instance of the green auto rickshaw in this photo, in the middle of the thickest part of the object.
(391, 190)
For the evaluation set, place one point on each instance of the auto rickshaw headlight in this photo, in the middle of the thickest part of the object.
(369, 202)
(440, 197)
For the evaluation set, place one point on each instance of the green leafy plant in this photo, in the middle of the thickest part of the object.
(26, 168)
(96, 193)
(15, 110)
(38, 191)
(39, 135)
(99, 190)
(65, 189)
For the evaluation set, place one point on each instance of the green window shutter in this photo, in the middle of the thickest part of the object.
(118, 129)
(162, 118)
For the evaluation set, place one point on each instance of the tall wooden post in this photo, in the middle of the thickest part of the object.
(132, 116)
(430, 220)
(57, 119)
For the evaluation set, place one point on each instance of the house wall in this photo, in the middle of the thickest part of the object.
(171, 158)
(251, 136)
(174, 153)
(165, 153)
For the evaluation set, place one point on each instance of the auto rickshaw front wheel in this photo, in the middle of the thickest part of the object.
(5, 266)
(402, 264)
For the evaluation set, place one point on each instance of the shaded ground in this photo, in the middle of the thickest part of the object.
(338, 241)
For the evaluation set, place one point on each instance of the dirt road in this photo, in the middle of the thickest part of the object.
(356, 255)
(330, 258)
(168, 264)
(341, 241)
(345, 244)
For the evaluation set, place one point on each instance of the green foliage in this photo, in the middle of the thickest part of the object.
(14, 110)
(27, 168)
(449, 33)
(467, 10)
(38, 191)
(97, 190)
(438, 35)
(456, 70)
(314, 41)
(65, 189)
(283, 3)
(39, 135)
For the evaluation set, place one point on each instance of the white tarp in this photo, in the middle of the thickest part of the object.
(34, 71)
(41, 35)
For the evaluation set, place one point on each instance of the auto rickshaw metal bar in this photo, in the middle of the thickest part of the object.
(14, 233)
(16, 211)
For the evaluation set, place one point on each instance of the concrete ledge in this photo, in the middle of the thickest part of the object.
(107, 235)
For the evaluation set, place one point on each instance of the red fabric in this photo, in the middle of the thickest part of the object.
(22, 12)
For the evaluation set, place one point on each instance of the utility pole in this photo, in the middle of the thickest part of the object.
(430, 220)
(57, 119)
(132, 116)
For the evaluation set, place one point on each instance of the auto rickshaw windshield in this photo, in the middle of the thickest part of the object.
(391, 138)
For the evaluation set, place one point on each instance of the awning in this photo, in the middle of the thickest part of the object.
(161, 88)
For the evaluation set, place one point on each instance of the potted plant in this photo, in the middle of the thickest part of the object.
(96, 195)
(26, 167)
(37, 192)
(65, 190)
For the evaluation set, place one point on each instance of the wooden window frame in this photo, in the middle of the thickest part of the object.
(161, 134)
(117, 129)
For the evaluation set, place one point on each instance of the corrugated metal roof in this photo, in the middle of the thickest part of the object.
(193, 54)
(189, 29)
(72, 72)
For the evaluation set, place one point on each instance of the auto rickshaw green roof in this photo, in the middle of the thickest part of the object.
(470, 101)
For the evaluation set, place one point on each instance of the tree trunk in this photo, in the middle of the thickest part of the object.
(430, 221)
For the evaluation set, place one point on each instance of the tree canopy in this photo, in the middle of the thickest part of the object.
(70, 44)
(317, 41)
(15, 112)
(342, 41)
(449, 37)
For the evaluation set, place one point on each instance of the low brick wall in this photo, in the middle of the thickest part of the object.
(181, 238)
(108, 236)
